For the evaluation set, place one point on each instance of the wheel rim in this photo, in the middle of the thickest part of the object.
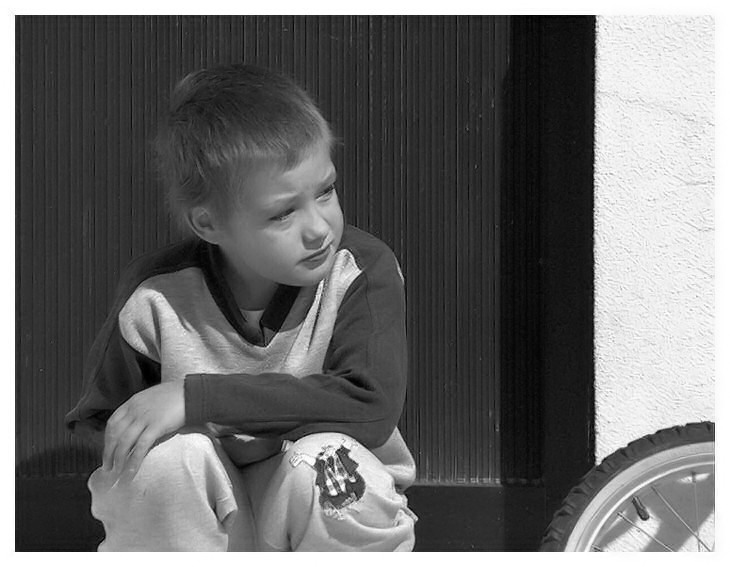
(664, 502)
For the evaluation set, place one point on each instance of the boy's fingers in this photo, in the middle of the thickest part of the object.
(144, 443)
(126, 443)
(115, 427)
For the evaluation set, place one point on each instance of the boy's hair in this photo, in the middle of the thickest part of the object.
(223, 121)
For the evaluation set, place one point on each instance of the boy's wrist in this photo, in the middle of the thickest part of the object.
(194, 391)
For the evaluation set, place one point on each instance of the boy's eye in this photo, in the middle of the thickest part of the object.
(327, 192)
(324, 195)
(282, 216)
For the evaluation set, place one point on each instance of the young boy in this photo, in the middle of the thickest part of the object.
(247, 384)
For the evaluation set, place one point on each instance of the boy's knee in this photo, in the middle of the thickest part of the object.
(167, 465)
(181, 485)
(335, 493)
(186, 466)
(341, 473)
(181, 454)
(329, 457)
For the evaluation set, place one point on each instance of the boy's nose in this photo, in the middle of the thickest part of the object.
(315, 230)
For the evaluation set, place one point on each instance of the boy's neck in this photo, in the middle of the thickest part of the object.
(251, 294)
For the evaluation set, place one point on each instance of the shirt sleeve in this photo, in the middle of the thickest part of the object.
(360, 392)
(114, 372)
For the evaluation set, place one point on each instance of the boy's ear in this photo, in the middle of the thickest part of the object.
(203, 224)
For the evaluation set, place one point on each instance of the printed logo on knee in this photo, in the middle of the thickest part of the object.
(339, 483)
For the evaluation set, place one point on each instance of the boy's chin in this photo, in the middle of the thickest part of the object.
(309, 277)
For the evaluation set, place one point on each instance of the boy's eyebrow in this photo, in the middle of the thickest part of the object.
(330, 178)
(287, 198)
(277, 202)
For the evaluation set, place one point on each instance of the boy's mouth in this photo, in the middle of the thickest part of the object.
(318, 257)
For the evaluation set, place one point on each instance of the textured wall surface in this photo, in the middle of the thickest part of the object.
(654, 225)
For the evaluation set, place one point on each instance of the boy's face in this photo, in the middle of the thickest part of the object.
(287, 226)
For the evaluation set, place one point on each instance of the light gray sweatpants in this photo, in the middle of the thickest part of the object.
(326, 492)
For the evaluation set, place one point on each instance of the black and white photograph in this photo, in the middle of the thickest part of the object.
(398, 282)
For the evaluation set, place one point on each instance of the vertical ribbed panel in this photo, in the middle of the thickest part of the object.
(520, 304)
(416, 102)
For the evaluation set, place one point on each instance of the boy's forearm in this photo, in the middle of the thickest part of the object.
(277, 405)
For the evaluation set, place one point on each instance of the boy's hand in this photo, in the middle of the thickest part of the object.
(139, 422)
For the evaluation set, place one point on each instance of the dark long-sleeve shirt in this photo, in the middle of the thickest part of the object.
(330, 357)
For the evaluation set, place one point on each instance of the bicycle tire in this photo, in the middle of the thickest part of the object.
(586, 510)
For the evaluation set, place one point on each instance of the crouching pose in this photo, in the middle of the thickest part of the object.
(246, 387)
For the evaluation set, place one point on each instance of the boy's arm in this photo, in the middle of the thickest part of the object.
(114, 371)
(360, 391)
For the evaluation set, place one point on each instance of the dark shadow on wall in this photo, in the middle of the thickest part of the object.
(478, 518)
(53, 513)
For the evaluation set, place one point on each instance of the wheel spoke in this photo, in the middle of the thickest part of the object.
(693, 532)
(697, 511)
(625, 519)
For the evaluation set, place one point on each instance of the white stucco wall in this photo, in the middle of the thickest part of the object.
(654, 225)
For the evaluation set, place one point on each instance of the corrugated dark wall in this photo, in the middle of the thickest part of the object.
(522, 256)
(416, 102)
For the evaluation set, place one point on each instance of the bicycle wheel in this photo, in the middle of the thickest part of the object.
(656, 494)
